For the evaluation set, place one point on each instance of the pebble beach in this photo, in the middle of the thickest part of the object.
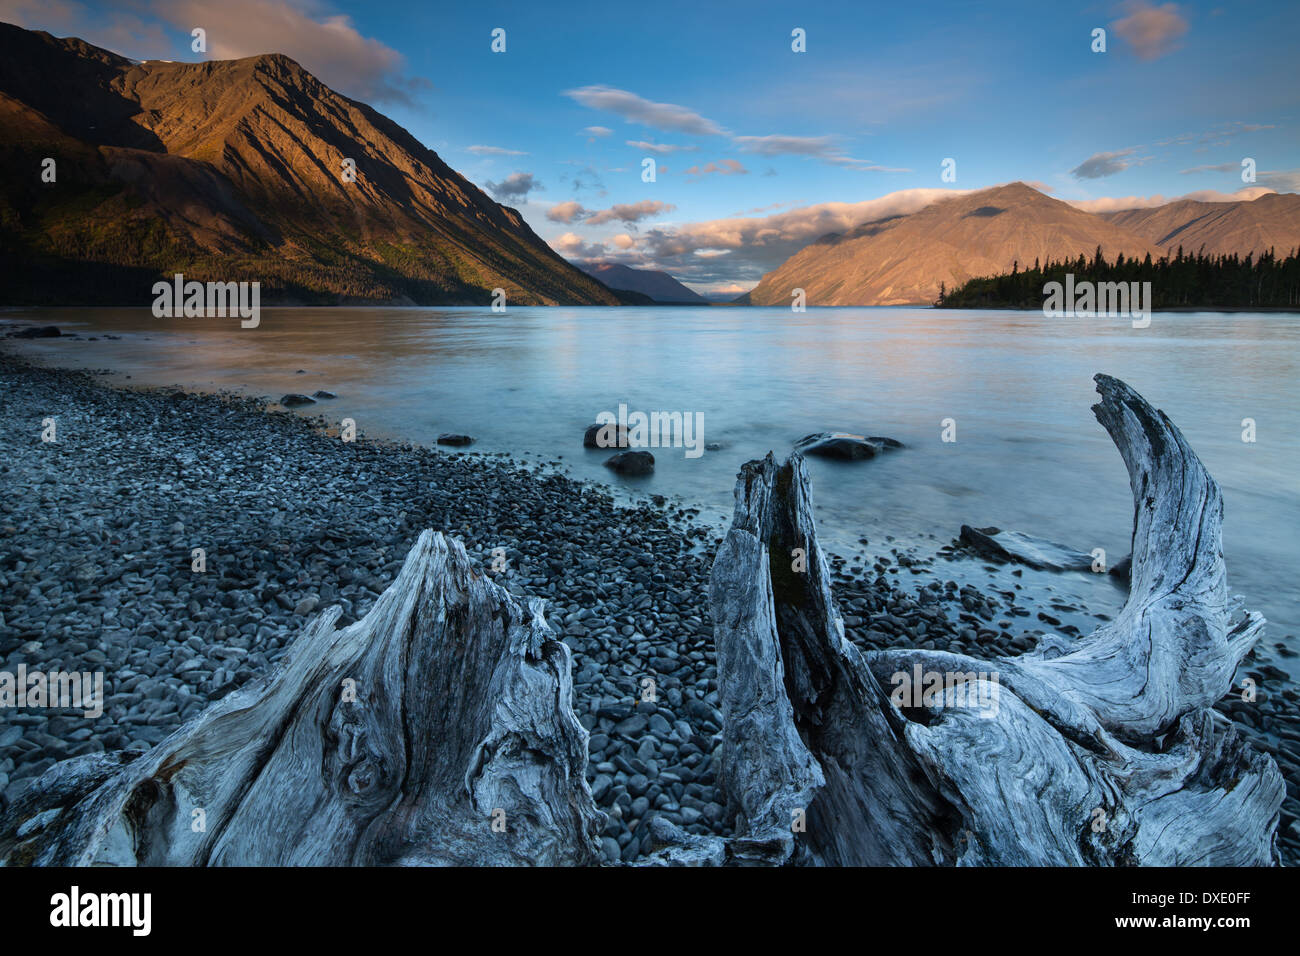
(98, 530)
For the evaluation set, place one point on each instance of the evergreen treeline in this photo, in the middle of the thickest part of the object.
(1180, 282)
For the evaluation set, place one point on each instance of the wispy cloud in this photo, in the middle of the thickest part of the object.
(493, 151)
(660, 148)
(820, 146)
(824, 148)
(1283, 180)
(1151, 31)
(637, 109)
(681, 119)
(725, 167)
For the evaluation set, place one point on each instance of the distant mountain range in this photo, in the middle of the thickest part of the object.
(659, 286)
(238, 170)
(1218, 228)
(903, 259)
(235, 170)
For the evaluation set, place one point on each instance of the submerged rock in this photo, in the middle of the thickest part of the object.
(39, 332)
(321, 393)
(294, 399)
(844, 446)
(1025, 549)
(632, 463)
(455, 440)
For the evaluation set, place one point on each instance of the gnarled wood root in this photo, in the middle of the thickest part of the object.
(1104, 753)
(436, 730)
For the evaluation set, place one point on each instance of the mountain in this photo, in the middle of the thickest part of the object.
(1218, 228)
(234, 170)
(901, 260)
(659, 286)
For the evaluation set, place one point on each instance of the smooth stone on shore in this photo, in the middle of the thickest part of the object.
(632, 463)
(1025, 549)
(614, 436)
(321, 393)
(839, 445)
(293, 399)
(632, 725)
(450, 439)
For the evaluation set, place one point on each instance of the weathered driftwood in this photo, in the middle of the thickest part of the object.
(437, 730)
(1102, 752)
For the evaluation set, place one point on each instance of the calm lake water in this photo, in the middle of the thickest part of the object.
(1029, 455)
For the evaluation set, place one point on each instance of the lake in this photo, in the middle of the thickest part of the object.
(1016, 386)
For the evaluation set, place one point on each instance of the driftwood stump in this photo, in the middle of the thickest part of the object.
(437, 730)
(1102, 751)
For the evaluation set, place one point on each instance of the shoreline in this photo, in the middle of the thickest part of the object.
(97, 536)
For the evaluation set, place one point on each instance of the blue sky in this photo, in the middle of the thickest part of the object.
(759, 148)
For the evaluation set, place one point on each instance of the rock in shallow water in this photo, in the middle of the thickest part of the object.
(632, 463)
(614, 436)
(294, 399)
(1025, 549)
(455, 440)
(844, 446)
